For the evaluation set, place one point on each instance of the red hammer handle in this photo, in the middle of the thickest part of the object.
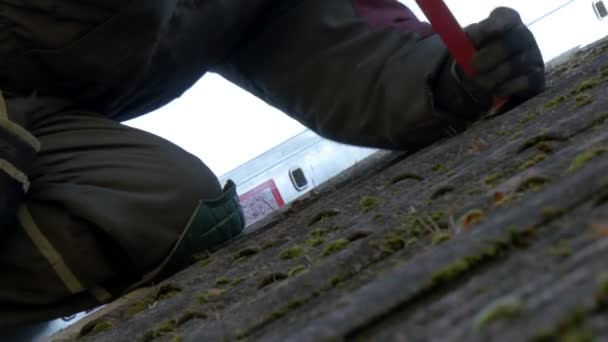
(456, 40)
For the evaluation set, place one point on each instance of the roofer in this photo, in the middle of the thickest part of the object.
(91, 208)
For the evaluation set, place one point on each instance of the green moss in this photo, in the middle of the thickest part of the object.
(369, 203)
(177, 338)
(602, 289)
(340, 279)
(161, 330)
(419, 229)
(583, 99)
(516, 135)
(441, 191)
(402, 229)
(392, 244)
(561, 250)
(450, 272)
(315, 241)
(571, 329)
(411, 241)
(545, 147)
(414, 226)
(335, 228)
(376, 216)
(276, 314)
(600, 120)
(529, 116)
(532, 161)
(317, 233)
(504, 308)
(148, 336)
(201, 298)
(166, 291)
(282, 311)
(474, 192)
(554, 102)
(587, 84)
(358, 235)
(138, 307)
(405, 176)
(101, 327)
(510, 198)
(335, 246)
(223, 281)
(163, 292)
(439, 238)
(272, 278)
(272, 244)
(520, 237)
(577, 334)
(559, 71)
(533, 183)
(236, 282)
(190, 315)
(493, 179)
(167, 326)
(421, 224)
(245, 254)
(292, 253)
(201, 256)
(601, 197)
(604, 71)
(238, 260)
(204, 262)
(439, 168)
(295, 270)
(541, 142)
(585, 157)
(202, 259)
(598, 51)
(550, 213)
(95, 327)
(209, 295)
(323, 216)
(437, 216)
(460, 267)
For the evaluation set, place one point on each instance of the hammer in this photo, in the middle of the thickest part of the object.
(456, 40)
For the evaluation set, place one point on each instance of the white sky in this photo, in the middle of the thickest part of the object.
(225, 126)
(220, 123)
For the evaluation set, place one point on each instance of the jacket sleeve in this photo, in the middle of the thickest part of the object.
(359, 72)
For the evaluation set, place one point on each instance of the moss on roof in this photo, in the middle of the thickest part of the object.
(398, 254)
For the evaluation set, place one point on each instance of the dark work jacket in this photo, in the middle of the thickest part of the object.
(355, 71)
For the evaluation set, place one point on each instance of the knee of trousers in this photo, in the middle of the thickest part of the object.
(214, 223)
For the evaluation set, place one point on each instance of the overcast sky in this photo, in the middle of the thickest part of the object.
(225, 126)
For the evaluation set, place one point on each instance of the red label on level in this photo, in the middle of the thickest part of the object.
(261, 201)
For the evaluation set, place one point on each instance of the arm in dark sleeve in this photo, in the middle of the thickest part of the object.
(355, 71)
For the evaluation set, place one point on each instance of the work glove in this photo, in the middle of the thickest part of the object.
(17, 151)
(508, 63)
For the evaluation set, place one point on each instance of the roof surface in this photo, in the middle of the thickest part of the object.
(500, 232)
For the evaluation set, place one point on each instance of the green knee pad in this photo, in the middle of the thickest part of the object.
(213, 223)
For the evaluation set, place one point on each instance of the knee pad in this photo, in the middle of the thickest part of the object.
(213, 224)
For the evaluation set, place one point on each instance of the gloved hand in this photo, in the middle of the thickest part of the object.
(17, 151)
(508, 63)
